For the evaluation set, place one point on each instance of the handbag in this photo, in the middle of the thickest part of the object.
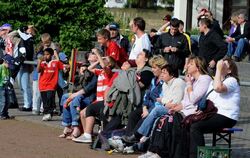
(209, 111)
(202, 104)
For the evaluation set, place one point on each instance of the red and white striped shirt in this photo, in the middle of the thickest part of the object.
(102, 82)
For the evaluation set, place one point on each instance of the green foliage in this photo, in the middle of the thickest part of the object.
(72, 23)
(146, 3)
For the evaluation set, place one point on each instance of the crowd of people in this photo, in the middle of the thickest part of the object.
(133, 86)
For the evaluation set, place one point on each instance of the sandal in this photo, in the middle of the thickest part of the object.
(75, 134)
(66, 132)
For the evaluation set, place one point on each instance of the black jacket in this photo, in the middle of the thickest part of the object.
(246, 33)
(179, 41)
(212, 46)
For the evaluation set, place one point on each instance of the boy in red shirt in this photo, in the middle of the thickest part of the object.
(48, 70)
(111, 48)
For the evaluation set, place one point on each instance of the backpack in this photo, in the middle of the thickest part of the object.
(161, 137)
(26, 48)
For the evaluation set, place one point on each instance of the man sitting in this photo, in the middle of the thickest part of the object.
(238, 41)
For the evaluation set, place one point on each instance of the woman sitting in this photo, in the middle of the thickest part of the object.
(226, 97)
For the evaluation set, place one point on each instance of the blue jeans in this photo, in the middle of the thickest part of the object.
(3, 102)
(148, 123)
(237, 48)
(25, 85)
(71, 115)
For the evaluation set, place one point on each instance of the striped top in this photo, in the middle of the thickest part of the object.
(102, 83)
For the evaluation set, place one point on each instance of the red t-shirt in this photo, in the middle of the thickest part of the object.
(116, 52)
(49, 75)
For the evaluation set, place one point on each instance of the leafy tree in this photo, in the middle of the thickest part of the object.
(70, 22)
(147, 3)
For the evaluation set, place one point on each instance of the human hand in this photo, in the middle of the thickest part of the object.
(188, 78)
(159, 100)
(174, 49)
(212, 64)
(219, 65)
(144, 113)
(167, 49)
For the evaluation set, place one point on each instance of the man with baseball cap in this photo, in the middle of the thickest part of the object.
(115, 35)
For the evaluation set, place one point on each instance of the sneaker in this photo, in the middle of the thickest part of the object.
(146, 155)
(154, 155)
(36, 112)
(7, 117)
(128, 150)
(82, 139)
(47, 117)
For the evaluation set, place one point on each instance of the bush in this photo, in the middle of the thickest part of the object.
(72, 23)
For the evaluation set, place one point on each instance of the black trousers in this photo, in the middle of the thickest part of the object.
(133, 119)
(197, 131)
(48, 99)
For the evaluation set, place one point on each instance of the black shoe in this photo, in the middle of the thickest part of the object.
(130, 139)
(236, 59)
(25, 109)
(7, 117)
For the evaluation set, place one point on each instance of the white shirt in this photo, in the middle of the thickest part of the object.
(140, 43)
(242, 28)
(173, 91)
(227, 102)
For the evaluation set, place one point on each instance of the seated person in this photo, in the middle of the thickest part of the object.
(226, 97)
(197, 82)
(149, 100)
(104, 78)
(173, 90)
(238, 41)
(82, 96)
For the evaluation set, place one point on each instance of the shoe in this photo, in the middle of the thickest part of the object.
(82, 139)
(25, 109)
(154, 155)
(130, 139)
(36, 112)
(7, 117)
(47, 117)
(236, 59)
(128, 150)
(146, 155)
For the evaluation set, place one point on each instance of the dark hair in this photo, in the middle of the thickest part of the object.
(153, 30)
(148, 54)
(181, 22)
(105, 33)
(233, 68)
(171, 70)
(140, 23)
(205, 21)
(49, 50)
(175, 22)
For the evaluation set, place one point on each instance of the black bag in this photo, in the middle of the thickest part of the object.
(12, 99)
(161, 138)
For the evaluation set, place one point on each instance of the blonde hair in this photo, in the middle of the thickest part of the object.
(157, 60)
(234, 19)
(45, 37)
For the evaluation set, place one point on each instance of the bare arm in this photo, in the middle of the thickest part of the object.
(218, 84)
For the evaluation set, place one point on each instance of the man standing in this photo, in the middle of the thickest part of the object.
(141, 38)
(238, 42)
(117, 37)
(173, 45)
(211, 45)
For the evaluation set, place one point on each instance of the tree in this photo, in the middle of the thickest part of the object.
(147, 3)
(70, 22)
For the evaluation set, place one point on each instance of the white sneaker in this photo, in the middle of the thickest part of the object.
(82, 139)
(146, 155)
(47, 117)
